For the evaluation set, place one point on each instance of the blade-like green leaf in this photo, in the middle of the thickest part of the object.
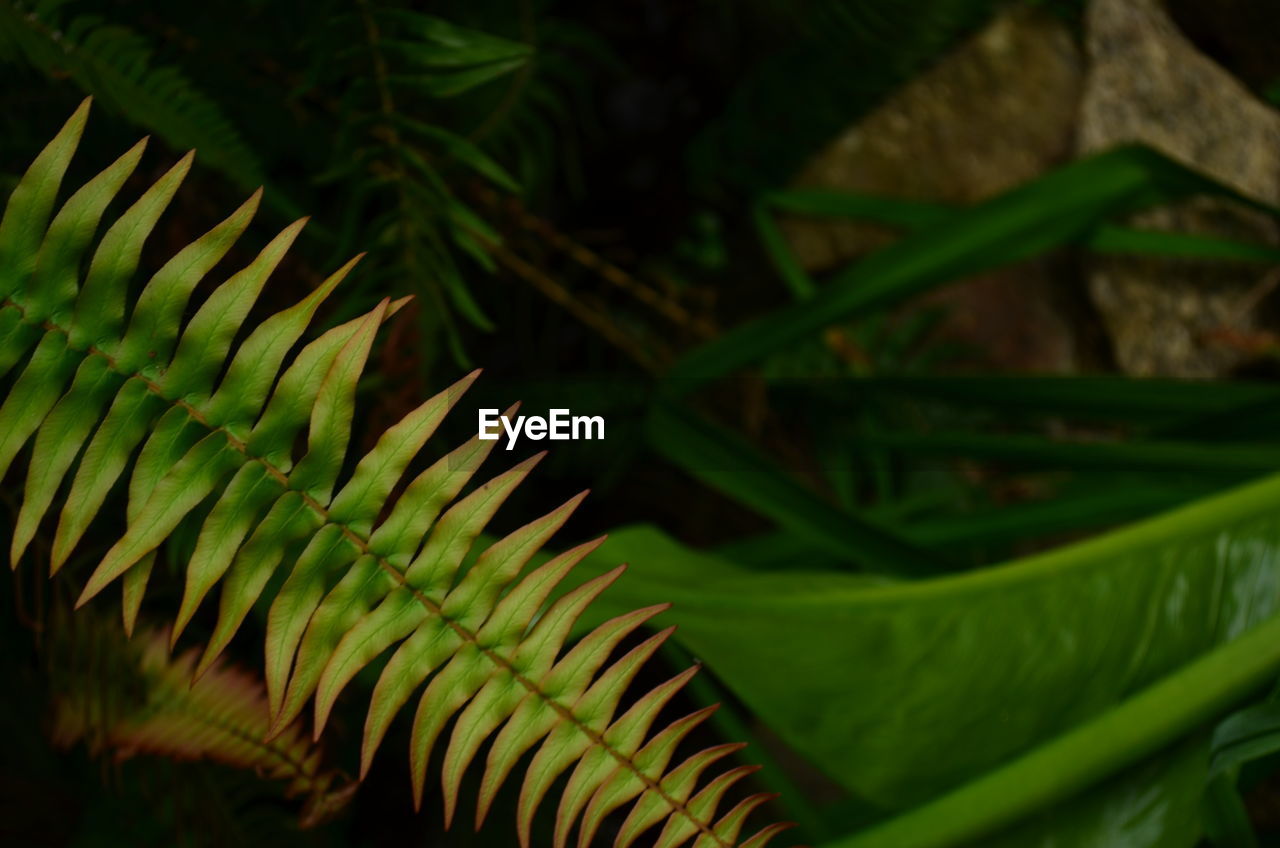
(1051, 211)
(723, 461)
(34, 394)
(1114, 456)
(30, 204)
(153, 326)
(125, 426)
(332, 412)
(291, 401)
(99, 311)
(979, 668)
(207, 337)
(58, 442)
(51, 290)
(289, 520)
(177, 493)
(249, 494)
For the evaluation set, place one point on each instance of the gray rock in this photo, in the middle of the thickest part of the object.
(998, 110)
(1147, 83)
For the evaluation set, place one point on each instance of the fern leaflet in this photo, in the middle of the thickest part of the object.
(99, 379)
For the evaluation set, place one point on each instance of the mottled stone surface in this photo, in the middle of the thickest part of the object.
(1147, 83)
(997, 111)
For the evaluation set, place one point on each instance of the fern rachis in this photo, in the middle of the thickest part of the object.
(483, 640)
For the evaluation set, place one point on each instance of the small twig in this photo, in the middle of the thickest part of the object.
(519, 80)
(610, 273)
(558, 294)
(1256, 294)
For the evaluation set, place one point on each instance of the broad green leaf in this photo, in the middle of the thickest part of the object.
(1160, 715)
(1015, 654)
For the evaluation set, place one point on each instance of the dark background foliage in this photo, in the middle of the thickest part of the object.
(587, 215)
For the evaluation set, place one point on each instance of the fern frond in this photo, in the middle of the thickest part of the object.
(395, 86)
(114, 64)
(136, 699)
(218, 428)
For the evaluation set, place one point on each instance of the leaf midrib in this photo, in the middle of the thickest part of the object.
(357, 539)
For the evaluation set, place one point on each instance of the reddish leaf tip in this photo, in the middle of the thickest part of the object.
(86, 596)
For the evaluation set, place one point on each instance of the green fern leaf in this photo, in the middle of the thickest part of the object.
(214, 431)
(138, 700)
(114, 64)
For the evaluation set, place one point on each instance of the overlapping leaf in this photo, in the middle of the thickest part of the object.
(216, 429)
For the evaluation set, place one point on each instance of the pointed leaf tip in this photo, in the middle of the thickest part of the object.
(85, 597)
